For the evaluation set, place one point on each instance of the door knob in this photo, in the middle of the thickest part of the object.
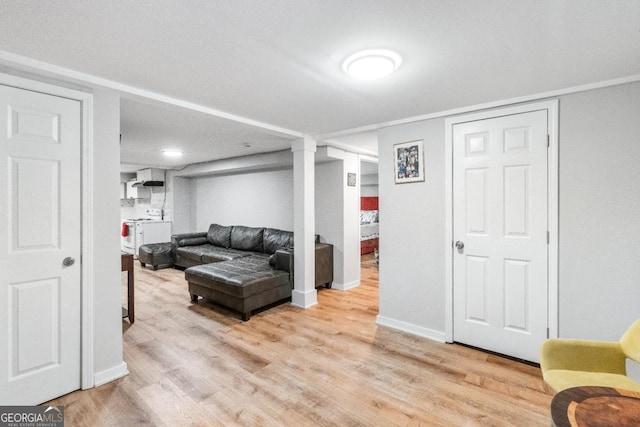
(68, 261)
(459, 244)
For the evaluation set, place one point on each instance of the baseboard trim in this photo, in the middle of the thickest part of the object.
(110, 374)
(345, 286)
(411, 329)
(304, 299)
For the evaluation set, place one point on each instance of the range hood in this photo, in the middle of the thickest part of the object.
(149, 184)
(149, 178)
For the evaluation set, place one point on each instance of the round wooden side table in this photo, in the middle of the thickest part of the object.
(595, 407)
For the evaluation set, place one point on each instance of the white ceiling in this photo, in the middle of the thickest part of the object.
(149, 128)
(279, 61)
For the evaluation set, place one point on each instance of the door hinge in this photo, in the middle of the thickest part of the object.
(548, 141)
(547, 237)
(547, 332)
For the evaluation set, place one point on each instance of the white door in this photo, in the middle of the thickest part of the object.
(39, 228)
(500, 225)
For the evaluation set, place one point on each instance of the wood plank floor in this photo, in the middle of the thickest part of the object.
(330, 365)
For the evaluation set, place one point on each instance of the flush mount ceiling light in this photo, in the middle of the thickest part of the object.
(172, 153)
(371, 64)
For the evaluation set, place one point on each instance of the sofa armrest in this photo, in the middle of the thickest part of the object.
(284, 260)
(189, 239)
(582, 355)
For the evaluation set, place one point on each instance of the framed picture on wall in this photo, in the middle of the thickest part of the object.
(408, 160)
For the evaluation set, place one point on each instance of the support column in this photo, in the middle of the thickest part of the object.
(304, 293)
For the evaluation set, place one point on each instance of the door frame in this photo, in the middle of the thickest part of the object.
(87, 214)
(551, 106)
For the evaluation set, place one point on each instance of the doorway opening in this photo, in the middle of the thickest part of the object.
(369, 211)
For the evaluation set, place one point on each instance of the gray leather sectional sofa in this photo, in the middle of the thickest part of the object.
(243, 268)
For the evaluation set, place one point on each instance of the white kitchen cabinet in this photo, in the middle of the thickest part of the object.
(150, 174)
(137, 192)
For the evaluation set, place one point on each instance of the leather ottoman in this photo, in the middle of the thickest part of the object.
(155, 254)
(243, 284)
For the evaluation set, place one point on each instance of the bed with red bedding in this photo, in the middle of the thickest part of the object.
(369, 233)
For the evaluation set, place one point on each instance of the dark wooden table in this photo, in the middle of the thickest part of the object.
(127, 265)
(595, 406)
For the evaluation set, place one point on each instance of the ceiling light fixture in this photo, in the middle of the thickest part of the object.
(172, 153)
(371, 64)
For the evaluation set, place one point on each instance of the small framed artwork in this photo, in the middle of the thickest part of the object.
(408, 159)
(351, 179)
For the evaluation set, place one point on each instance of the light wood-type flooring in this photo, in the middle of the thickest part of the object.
(330, 365)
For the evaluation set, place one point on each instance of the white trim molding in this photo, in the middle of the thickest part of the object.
(551, 107)
(88, 326)
(110, 374)
(345, 286)
(478, 107)
(411, 328)
(304, 299)
(29, 64)
(347, 147)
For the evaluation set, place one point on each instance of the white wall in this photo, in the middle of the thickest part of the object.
(184, 204)
(329, 205)
(338, 216)
(351, 215)
(369, 185)
(412, 231)
(369, 191)
(599, 212)
(154, 198)
(599, 244)
(260, 199)
(108, 361)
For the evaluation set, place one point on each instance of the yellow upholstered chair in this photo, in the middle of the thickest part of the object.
(569, 363)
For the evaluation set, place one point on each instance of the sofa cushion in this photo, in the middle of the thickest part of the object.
(247, 238)
(241, 277)
(217, 254)
(274, 239)
(219, 235)
(194, 253)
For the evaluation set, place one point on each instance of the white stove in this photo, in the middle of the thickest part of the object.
(141, 231)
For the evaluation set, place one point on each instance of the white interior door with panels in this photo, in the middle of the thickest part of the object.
(500, 233)
(40, 246)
